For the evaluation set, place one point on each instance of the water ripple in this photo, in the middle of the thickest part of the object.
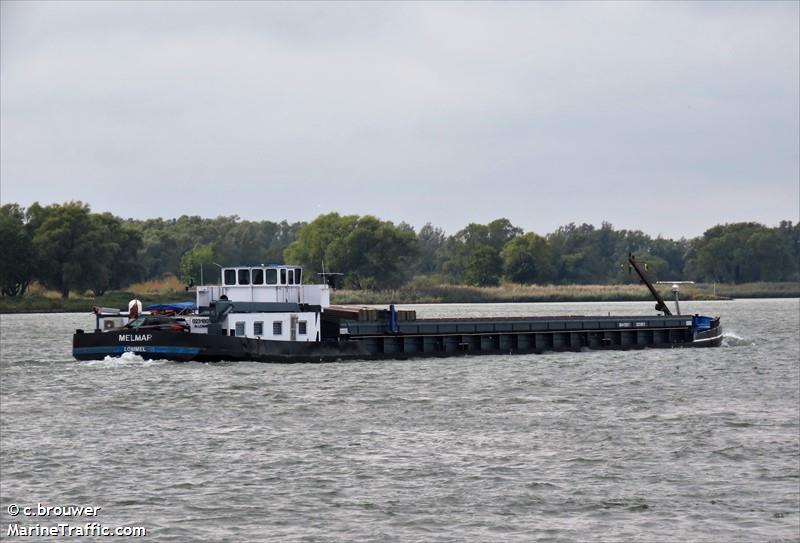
(652, 445)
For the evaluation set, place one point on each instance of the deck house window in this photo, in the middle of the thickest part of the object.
(290, 280)
(230, 277)
(283, 276)
(277, 328)
(258, 328)
(258, 276)
(244, 277)
(298, 274)
(272, 276)
(240, 328)
(302, 328)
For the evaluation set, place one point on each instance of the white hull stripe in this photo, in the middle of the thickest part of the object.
(707, 339)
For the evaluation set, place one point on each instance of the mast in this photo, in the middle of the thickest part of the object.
(661, 305)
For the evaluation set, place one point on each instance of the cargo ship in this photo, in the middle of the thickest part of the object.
(267, 314)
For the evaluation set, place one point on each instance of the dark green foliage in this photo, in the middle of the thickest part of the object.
(64, 244)
(528, 259)
(588, 255)
(16, 252)
(115, 260)
(482, 266)
(583, 254)
(746, 252)
(318, 244)
(198, 264)
(75, 249)
(495, 234)
(166, 241)
(569, 245)
(233, 242)
(255, 243)
(466, 255)
(429, 243)
(372, 253)
(67, 248)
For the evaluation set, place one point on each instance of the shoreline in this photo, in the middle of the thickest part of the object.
(385, 299)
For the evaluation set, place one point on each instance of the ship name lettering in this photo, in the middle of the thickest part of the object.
(135, 337)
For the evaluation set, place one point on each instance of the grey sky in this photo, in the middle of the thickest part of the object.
(664, 117)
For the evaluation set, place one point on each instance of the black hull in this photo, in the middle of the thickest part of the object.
(478, 337)
(709, 338)
(210, 348)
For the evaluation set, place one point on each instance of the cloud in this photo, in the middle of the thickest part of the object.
(541, 112)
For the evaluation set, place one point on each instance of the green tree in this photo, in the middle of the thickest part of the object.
(495, 234)
(500, 232)
(378, 254)
(126, 268)
(790, 235)
(738, 252)
(370, 252)
(482, 266)
(767, 256)
(527, 259)
(197, 261)
(430, 240)
(114, 262)
(255, 243)
(462, 252)
(160, 253)
(584, 254)
(577, 257)
(673, 253)
(16, 254)
(319, 242)
(165, 241)
(65, 244)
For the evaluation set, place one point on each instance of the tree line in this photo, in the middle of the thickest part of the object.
(66, 247)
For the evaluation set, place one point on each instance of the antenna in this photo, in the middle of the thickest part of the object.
(329, 278)
(675, 289)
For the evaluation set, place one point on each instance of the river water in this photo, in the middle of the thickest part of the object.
(653, 445)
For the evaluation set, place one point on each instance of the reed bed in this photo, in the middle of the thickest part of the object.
(420, 290)
(169, 284)
(423, 292)
(509, 292)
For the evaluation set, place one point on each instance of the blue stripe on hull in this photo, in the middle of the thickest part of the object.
(113, 350)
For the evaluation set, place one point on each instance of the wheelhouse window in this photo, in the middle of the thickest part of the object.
(244, 277)
(272, 276)
(258, 328)
(290, 277)
(230, 277)
(257, 276)
(298, 276)
(277, 328)
(283, 276)
(302, 328)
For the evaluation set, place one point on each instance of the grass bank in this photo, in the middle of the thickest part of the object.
(37, 303)
(417, 291)
(40, 300)
(755, 290)
(511, 292)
